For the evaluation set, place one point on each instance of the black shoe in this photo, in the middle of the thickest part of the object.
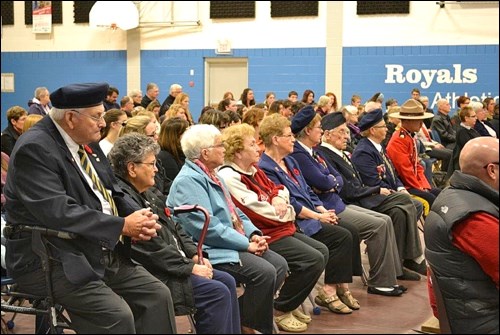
(395, 292)
(414, 266)
(408, 275)
(401, 288)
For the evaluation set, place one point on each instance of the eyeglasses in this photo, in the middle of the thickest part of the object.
(95, 118)
(472, 116)
(287, 136)
(152, 135)
(153, 163)
(384, 126)
(494, 163)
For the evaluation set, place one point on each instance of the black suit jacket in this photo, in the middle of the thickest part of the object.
(354, 191)
(45, 187)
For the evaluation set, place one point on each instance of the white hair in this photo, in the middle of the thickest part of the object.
(476, 105)
(198, 137)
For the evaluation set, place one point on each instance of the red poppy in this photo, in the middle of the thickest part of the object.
(296, 172)
(167, 211)
(88, 149)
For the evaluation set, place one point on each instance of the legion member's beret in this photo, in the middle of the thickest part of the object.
(370, 119)
(332, 120)
(79, 95)
(302, 119)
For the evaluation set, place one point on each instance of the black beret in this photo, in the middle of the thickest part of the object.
(370, 119)
(332, 120)
(79, 95)
(302, 118)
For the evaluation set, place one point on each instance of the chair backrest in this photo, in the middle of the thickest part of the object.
(444, 324)
(435, 135)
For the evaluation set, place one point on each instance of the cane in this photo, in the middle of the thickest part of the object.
(194, 208)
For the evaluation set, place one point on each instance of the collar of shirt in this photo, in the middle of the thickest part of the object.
(332, 148)
(309, 150)
(377, 146)
(72, 145)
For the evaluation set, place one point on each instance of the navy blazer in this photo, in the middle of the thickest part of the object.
(354, 191)
(367, 158)
(322, 178)
(301, 195)
(45, 187)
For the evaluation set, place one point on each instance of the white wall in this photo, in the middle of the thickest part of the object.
(427, 24)
(64, 37)
(261, 32)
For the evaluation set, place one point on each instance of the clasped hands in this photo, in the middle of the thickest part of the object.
(141, 225)
(258, 245)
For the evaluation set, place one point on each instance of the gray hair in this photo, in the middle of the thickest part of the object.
(134, 93)
(175, 87)
(39, 91)
(476, 105)
(129, 148)
(198, 137)
(58, 113)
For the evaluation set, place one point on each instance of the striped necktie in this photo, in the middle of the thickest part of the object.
(346, 158)
(85, 163)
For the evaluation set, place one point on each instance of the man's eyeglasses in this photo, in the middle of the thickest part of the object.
(95, 118)
(494, 163)
(384, 126)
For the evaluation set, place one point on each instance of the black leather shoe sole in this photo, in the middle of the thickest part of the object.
(401, 288)
(394, 293)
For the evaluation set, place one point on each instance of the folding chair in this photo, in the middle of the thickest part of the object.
(42, 306)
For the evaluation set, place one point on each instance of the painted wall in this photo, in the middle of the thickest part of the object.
(437, 71)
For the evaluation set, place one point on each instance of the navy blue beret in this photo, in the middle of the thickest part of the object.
(332, 120)
(370, 119)
(302, 119)
(79, 95)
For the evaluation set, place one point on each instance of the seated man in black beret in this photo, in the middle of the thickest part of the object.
(56, 181)
(397, 205)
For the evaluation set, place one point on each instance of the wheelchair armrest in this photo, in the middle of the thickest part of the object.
(9, 230)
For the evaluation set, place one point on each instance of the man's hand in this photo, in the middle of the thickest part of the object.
(141, 225)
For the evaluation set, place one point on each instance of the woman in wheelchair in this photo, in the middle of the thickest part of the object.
(196, 289)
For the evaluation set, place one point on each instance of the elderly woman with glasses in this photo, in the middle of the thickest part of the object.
(232, 242)
(207, 293)
(311, 217)
(268, 206)
(147, 125)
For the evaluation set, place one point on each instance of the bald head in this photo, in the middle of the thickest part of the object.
(476, 158)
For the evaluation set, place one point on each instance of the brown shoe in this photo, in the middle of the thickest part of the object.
(332, 302)
(346, 297)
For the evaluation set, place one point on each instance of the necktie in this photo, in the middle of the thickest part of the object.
(85, 163)
(388, 164)
(344, 156)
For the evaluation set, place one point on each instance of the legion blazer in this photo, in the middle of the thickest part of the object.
(45, 187)
(354, 191)
(301, 194)
(372, 168)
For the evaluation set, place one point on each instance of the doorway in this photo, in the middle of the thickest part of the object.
(222, 75)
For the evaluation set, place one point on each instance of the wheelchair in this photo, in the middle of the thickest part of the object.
(50, 316)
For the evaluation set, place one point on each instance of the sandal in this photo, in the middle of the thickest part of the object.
(332, 302)
(302, 317)
(287, 322)
(346, 297)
